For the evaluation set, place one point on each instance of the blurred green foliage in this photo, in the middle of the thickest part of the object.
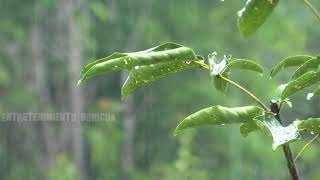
(126, 25)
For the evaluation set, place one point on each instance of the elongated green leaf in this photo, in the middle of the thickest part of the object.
(164, 53)
(289, 62)
(280, 135)
(300, 83)
(311, 64)
(311, 124)
(254, 14)
(142, 75)
(314, 93)
(243, 64)
(218, 115)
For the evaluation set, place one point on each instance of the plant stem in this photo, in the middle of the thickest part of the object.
(305, 146)
(205, 66)
(286, 148)
(245, 91)
(313, 9)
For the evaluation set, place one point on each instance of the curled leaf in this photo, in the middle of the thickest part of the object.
(218, 115)
(243, 64)
(311, 64)
(289, 62)
(300, 83)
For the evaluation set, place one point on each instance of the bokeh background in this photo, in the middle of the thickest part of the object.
(45, 43)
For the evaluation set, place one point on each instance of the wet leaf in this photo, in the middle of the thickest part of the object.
(254, 14)
(218, 115)
(311, 64)
(311, 124)
(167, 52)
(269, 125)
(289, 62)
(243, 64)
(142, 75)
(300, 83)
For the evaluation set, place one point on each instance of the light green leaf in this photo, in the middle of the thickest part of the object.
(289, 62)
(280, 135)
(311, 64)
(142, 75)
(218, 115)
(167, 52)
(311, 124)
(243, 64)
(300, 83)
(254, 14)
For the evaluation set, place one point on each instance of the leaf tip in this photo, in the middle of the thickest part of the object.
(79, 82)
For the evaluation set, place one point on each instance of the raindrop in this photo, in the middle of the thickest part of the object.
(188, 62)
(125, 61)
(312, 132)
(136, 67)
(222, 124)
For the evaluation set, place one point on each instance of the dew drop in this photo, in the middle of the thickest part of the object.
(136, 67)
(312, 132)
(188, 62)
(222, 124)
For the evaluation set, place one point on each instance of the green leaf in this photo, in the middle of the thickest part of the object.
(311, 64)
(289, 62)
(167, 52)
(243, 64)
(218, 115)
(142, 75)
(311, 124)
(280, 135)
(254, 14)
(314, 93)
(300, 83)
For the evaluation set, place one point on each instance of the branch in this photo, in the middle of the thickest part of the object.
(313, 9)
(205, 66)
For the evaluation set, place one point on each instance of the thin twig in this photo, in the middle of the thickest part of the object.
(313, 9)
(305, 147)
(246, 91)
(205, 66)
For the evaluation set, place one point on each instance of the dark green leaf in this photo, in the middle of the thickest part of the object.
(289, 62)
(280, 135)
(311, 124)
(300, 83)
(164, 53)
(254, 14)
(311, 64)
(218, 115)
(243, 64)
(142, 75)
